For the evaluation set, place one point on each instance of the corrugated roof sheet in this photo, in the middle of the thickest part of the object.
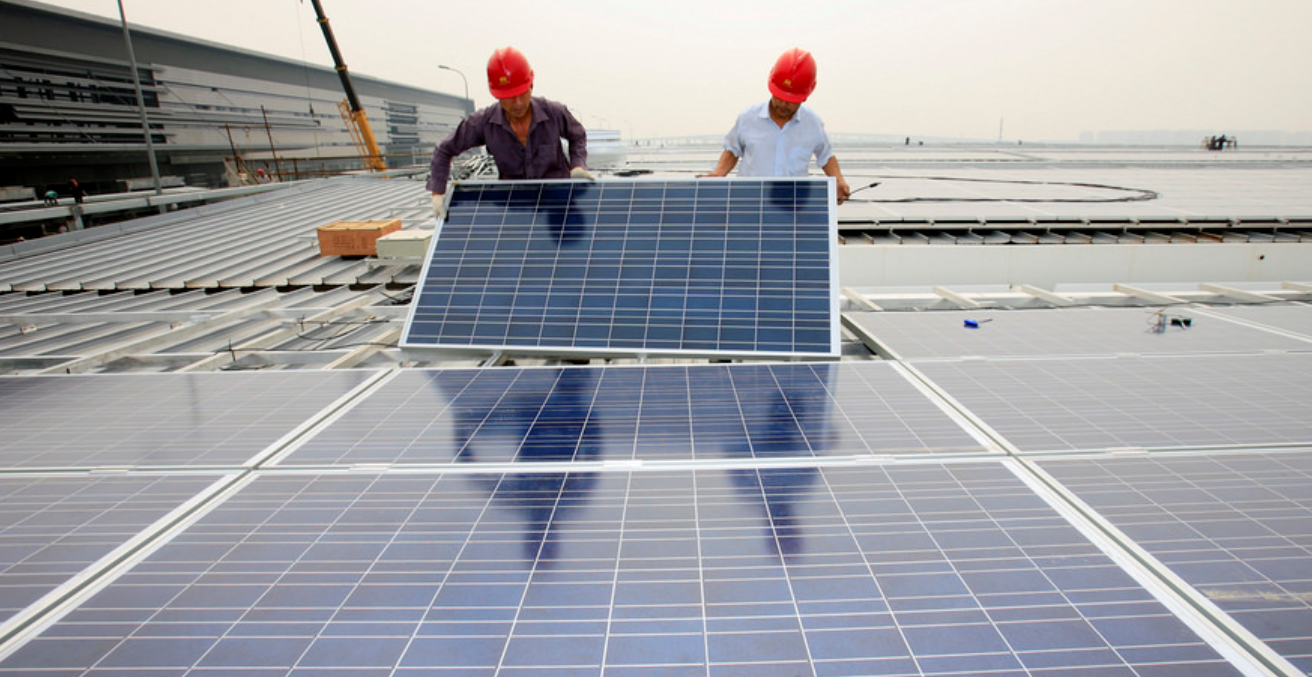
(263, 241)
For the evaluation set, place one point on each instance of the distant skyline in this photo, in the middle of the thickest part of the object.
(1034, 70)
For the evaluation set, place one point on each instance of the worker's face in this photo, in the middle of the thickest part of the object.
(517, 107)
(783, 110)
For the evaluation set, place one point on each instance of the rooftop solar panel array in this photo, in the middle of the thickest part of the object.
(757, 519)
(687, 267)
(927, 570)
(1055, 493)
(1020, 514)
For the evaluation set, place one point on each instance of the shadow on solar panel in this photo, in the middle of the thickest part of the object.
(741, 267)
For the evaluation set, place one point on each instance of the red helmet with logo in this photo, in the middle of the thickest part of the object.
(508, 73)
(793, 76)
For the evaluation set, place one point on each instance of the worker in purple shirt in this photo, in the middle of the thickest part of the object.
(521, 131)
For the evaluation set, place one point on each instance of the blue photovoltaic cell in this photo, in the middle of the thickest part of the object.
(932, 570)
(1159, 402)
(738, 267)
(157, 420)
(1236, 527)
(692, 412)
(52, 528)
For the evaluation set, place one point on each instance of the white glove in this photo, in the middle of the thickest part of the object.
(439, 206)
(581, 173)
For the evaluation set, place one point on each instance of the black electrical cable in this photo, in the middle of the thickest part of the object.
(352, 326)
(237, 366)
(1141, 194)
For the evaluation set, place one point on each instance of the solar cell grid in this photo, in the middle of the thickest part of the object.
(157, 420)
(1236, 527)
(931, 570)
(1138, 402)
(54, 528)
(702, 412)
(673, 267)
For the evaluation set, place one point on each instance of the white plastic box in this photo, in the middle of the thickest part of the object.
(403, 244)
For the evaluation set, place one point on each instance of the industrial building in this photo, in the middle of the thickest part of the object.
(68, 108)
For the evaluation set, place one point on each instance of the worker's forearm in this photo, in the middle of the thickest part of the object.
(439, 170)
(840, 184)
(831, 168)
(576, 135)
(726, 164)
(466, 135)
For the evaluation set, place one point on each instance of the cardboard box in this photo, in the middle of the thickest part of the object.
(404, 244)
(354, 238)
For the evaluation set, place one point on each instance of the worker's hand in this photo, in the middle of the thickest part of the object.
(439, 206)
(581, 173)
(710, 175)
(844, 191)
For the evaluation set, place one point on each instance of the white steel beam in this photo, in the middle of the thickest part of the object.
(1149, 296)
(1051, 297)
(956, 297)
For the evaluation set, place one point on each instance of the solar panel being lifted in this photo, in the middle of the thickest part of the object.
(741, 267)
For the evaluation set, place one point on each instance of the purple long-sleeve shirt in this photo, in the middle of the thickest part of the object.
(541, 158)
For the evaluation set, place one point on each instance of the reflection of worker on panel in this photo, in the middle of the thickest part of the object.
(528, 416)
(786, 412)
(780, 492)
(565, 223)
(549, 208)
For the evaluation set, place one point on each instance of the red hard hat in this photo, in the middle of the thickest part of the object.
(793, 76)
(508, 73)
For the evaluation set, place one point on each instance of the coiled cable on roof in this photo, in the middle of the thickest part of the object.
(1137, 194)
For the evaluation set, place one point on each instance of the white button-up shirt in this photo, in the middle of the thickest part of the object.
(764, 148)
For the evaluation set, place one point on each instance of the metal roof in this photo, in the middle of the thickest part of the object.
(243, 278)
(263, 241)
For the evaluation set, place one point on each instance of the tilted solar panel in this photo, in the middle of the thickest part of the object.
(741, 267)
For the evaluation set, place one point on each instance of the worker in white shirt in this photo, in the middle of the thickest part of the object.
(779, 137)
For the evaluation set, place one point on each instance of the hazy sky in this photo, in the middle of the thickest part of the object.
(1047, 69)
